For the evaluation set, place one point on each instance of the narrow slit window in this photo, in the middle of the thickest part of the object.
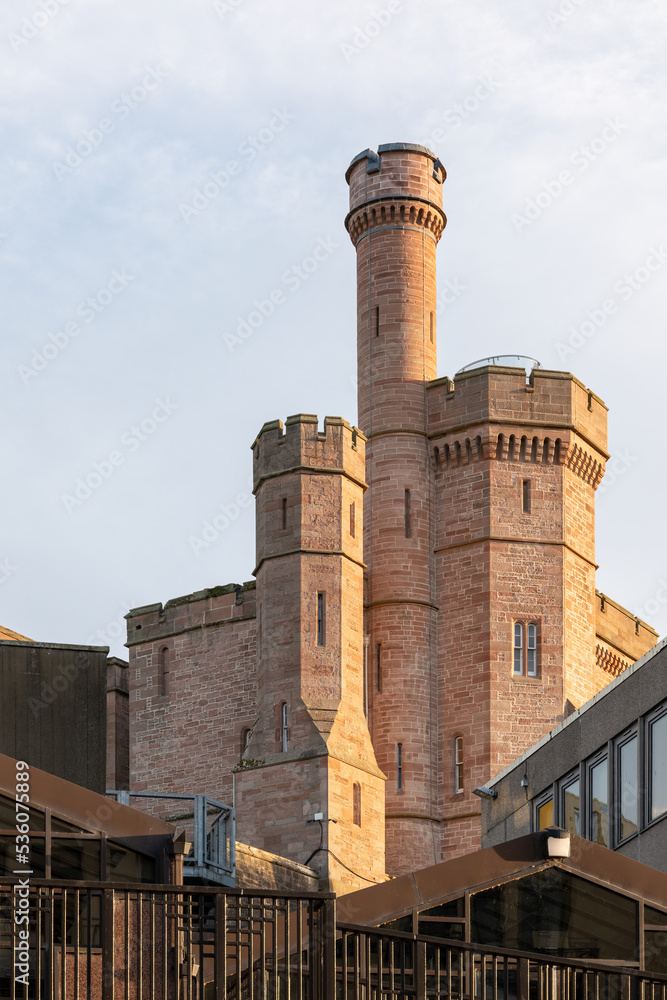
(525, 496)
(432, 325)
(356, 803)
(408, 526)
(321, 623)
(399, 767)
(531, 651)
(284, 513)
(352, 520)
(458, 764)
(377, 321)
(284, 732)
(163, 671)
(518, 648)
(378, 665)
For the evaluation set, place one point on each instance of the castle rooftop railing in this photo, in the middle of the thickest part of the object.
(502, 361)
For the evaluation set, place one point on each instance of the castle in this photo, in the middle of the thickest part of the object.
(424, 605)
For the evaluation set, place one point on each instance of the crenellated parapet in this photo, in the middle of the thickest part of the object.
(299, 446)
(498, 413)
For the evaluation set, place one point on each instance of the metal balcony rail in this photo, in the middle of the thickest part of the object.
(389, 965)
(213, 856)
(125, 942)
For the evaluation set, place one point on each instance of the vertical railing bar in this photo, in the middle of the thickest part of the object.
(63, 947)
(299, 948)
(220, 952)
(288, 951)
(151, 932)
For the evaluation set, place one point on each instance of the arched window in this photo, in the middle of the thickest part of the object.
(458, 764)
(284, 732)
(511, 449)
(499, 446)
(163, 671)
(524, 652)
(356, 803)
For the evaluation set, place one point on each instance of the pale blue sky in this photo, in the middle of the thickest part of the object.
(157, 97)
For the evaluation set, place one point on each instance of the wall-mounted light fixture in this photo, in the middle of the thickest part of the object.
(485, 793)
(557, 842)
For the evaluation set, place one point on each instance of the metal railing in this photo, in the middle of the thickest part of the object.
(213, 855)
(129, 942)
(374, 965)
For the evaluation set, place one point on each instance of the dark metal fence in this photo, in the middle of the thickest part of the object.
(388, 965)
(126, 942)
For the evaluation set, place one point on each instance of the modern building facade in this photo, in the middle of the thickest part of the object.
(424, 607)
(601, 774)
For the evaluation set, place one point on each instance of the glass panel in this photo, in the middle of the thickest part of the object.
(75, 860)
(400, 924)
(598, 812)
(36, 857)
(8, 816)
(60, 826)
(531, 652)
(444, 929)
(652, 916)
(627, 789)
(545, 815)
(452, 908)
(518, 649)
(124, 865)
(655, 952)
(571, 818)
(558, 914)
(658, 767)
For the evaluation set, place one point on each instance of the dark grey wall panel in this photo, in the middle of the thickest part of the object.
(53, 709)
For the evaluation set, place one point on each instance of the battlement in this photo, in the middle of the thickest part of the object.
(212, 606)
(621, 634)
(400, 185)
(299, 446)
(518, 405)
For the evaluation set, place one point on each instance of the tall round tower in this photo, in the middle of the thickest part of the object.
(395, 222)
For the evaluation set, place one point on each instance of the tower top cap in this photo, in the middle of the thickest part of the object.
(389, 147)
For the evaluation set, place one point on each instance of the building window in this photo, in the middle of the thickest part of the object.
(284, 513)
(657, 766)
(321, 619)
(378, 665)
(352, 521)
(598, 803)
(627, 813)
(432, 325)
(284, 732)
(408, 526)
(399, 767)
(356, 803)
(570, 806)
(163, 671)
(525, 496)
(458, 764)
(545, 814)
(524, 649)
